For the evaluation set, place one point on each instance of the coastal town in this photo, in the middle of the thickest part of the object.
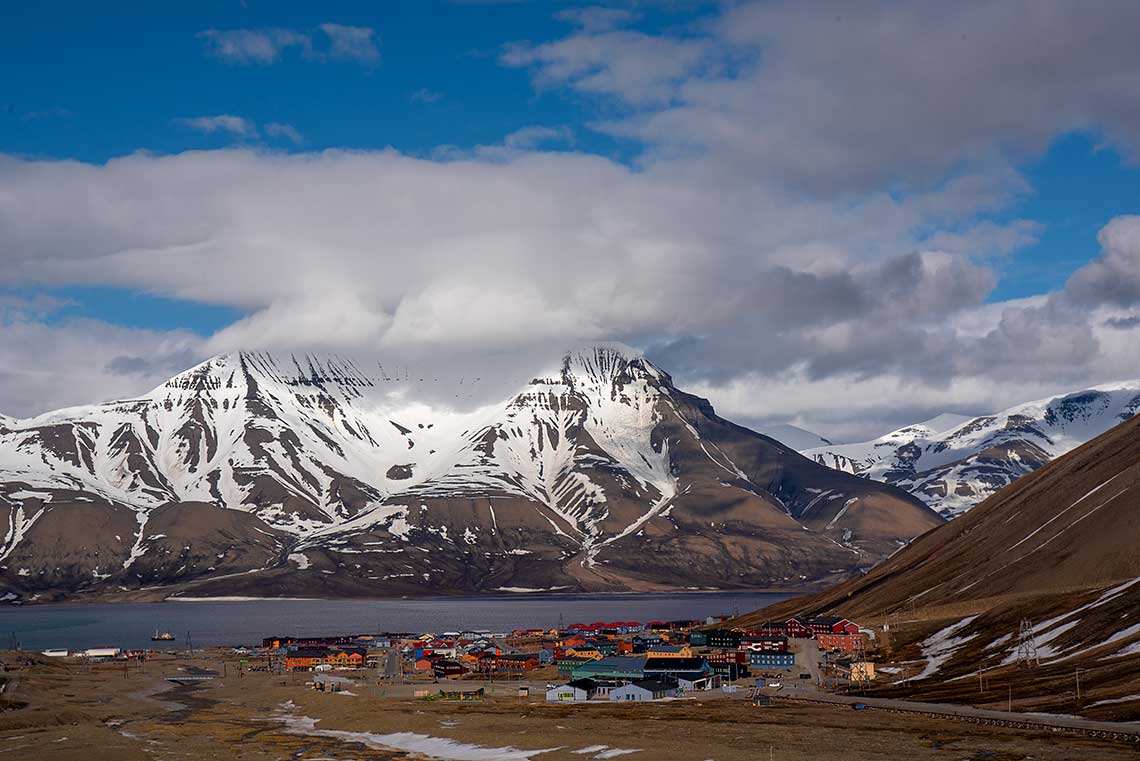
(619, 661)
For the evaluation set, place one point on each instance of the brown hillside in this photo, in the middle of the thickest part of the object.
(1057, 549)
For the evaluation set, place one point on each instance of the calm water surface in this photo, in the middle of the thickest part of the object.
(246, 622)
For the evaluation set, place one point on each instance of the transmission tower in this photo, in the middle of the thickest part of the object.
(1027, 646)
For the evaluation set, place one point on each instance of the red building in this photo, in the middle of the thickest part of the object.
(844, 642)
(765, 643)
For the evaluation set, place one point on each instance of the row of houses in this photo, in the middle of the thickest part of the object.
(829, 633)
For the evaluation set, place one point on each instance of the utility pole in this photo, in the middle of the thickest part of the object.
(1009, 703)
(1078, 675)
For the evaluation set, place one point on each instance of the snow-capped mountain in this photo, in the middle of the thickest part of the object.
(310, 475)
(953, 462)
(795, 437)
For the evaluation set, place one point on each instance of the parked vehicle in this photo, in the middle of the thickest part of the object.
(859, 706)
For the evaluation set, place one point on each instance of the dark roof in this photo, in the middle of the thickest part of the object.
(653, 685)
(583, 684)
(308, 652)
(826, 620)
(674, 664)
(691, 676)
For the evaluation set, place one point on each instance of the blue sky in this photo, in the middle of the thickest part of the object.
(680, 175)
(108, 84)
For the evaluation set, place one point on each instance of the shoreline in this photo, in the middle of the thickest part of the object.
(496, 596)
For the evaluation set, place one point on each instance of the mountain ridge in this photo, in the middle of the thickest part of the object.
(598, 475)
(956, 468)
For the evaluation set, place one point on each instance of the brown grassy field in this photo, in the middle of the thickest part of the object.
(69, 712)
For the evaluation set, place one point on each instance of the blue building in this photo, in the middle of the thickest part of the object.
(772, 660)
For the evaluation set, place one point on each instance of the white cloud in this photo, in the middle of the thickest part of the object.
(426, 95)
(225, 123)
(639, 68)
(287, 131)
(351, 43)
(335, 42)
(50, 366)
(254, 46)
(811, 234)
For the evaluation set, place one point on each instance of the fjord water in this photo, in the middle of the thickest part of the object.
(245, 622)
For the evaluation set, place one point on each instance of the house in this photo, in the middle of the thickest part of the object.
(797, 628)
(643, 690)
(306, 658)
(101, 653)
(699, 638)
(669, 651)
(696, 681)
(862, 671)
(448, 669)
(772, 661)
(739, 657)
(646, 640)
(567, 664)
(665, 668)
(831, 625)
(585, 652)
(518, 662)
(730, 670)
(613, 667)
(345, 659)
(845, 642)
(572, 692)
(757, 643)
(724, 639)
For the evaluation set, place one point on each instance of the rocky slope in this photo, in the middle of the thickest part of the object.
(266, 475)
(954, 462)
(1056, 548)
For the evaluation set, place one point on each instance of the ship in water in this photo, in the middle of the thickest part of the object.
(159, 636)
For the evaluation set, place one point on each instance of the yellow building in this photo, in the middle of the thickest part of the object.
(585, 652)
(862, 671)
(669, 651)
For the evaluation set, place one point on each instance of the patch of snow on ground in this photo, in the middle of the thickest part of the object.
(433, 747)
(1109, 701)
(301, 559)
(940, 646)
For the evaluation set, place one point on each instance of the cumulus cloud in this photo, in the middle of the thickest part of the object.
(836, 99)
(267, 45)
(351, 43)
(811, 233)
(1114, 276)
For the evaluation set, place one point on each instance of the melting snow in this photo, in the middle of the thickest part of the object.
(434, 747)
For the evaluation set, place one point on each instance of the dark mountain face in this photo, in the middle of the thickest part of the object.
(251, 474)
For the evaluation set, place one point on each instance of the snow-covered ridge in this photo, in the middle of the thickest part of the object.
(252, 430)
(954, 468)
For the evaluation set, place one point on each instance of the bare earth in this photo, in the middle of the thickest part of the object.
(64, 711)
